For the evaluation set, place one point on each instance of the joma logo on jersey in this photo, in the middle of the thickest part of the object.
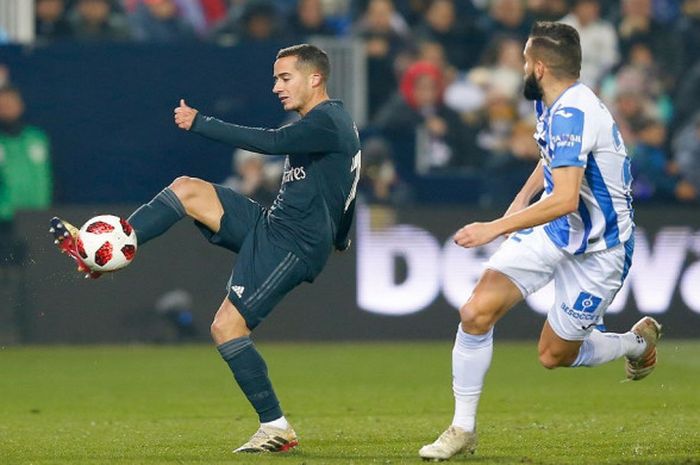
(294, 174)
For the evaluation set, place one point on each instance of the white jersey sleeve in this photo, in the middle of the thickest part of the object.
(570, 138)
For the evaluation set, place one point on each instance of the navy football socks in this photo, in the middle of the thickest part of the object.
(250, 371)
(157, 216)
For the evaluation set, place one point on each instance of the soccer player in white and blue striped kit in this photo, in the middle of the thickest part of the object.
(580, 233)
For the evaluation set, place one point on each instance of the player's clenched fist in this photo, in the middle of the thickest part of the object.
(475, 234)
(184, 115)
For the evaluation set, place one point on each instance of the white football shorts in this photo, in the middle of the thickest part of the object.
(585, 284)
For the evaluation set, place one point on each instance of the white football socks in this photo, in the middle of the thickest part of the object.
(599, 348)
(471, 358)
(280, 423)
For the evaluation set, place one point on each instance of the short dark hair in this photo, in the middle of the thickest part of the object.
(558, 45)
(309, 55)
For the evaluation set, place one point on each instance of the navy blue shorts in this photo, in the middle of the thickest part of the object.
(263, 273)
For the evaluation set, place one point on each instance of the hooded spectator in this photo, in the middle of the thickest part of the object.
(418, 109)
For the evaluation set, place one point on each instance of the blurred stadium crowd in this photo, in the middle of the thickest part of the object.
(445, 75)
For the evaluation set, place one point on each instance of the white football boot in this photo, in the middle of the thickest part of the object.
(270, 439)
(638, 368)
(450, 443)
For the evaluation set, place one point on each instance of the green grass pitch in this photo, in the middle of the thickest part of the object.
(350, 404)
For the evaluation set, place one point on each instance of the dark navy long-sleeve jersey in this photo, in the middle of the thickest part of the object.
(313, 211)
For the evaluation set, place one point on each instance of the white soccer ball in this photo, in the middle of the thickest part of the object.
(106, 243)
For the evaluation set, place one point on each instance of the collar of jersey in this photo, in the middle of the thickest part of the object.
(562, 94)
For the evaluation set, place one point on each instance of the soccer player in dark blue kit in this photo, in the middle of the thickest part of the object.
(278, 248)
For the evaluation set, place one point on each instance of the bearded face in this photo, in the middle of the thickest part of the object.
(532, 90)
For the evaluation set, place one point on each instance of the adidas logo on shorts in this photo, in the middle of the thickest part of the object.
(238, 290)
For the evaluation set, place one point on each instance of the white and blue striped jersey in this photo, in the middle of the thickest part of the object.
(578, 130)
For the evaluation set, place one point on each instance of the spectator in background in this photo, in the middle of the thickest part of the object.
(256, 21)
(548, 10)
(501, 69)
(25, 168)
(654, 177)
(629, 106)
(379, 182)
(666, 11)
(25, 183)
(214, 11)
(384, 33)
(418, 109)
(637, 91)
(202, 15)
(261, 21)
(687, 98)
(255, 177)
(507, 171)
(191, 12)
(637, 24)
(50, 23)
(507, 17)
(686, 154)
(496, 124)
(433, 52)
(414, 11)
(160, 21)
(598, 41)
(487, 96)
(97, 20)
(689, 29)
(461, 40)
(309, 20)
(500, 73)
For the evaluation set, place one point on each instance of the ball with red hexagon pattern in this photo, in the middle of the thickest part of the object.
(107, 243)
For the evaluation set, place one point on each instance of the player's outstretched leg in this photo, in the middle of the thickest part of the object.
(157, 216)
(149, 221)
(66, 238)
(184, 197)
(640, 367)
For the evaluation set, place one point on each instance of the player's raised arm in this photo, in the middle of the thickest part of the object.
(314, 133)
(300, 79)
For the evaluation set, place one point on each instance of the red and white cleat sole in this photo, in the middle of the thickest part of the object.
(66, 237)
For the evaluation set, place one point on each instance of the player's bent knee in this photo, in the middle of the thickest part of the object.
(475, 319)
(228, 325)
(180, 183)
(548, 361)
(186, 188)
(475, 322)
(222, 330)
(551, 360)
